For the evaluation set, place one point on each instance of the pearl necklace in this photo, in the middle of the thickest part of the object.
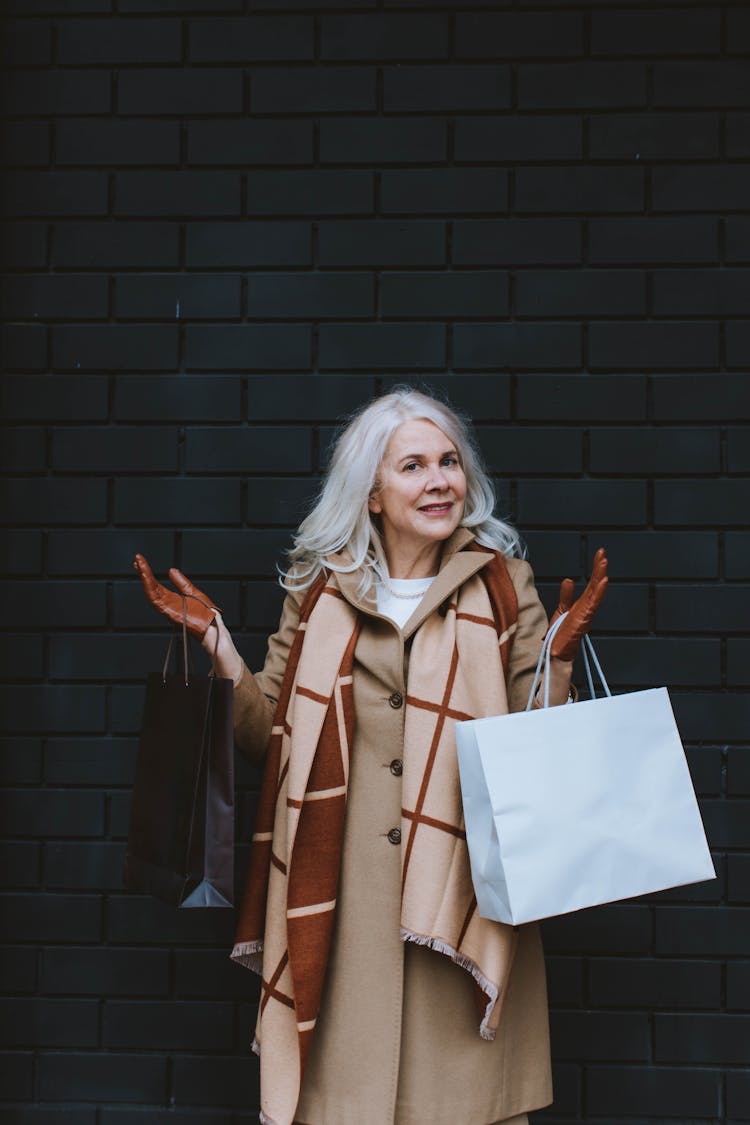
(406, 597)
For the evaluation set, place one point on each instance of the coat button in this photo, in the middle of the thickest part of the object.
(397, 767)
(396, 700)
(395, 835)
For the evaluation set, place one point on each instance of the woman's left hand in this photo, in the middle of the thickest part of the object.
(581, 612)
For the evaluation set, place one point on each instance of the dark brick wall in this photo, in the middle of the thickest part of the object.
(225, 223)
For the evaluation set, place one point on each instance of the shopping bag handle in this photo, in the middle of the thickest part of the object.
(186, 648)
(544, 657)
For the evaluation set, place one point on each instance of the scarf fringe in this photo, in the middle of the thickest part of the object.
(249, 954)
(488, 988)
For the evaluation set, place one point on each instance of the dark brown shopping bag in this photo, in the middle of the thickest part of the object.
(181, 838)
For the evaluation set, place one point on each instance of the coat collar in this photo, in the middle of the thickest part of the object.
(456, 566)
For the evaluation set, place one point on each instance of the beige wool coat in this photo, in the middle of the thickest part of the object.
(397, 1039)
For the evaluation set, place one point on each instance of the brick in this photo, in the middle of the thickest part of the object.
(738, 1095)
(34, 917)
(21, 656)
(177, 398)
(247, 450)
(711, 716)
(486, 398)
(52, 708)
(603, 930)
(454, 294)
(397, 140)
(115, 449)
(654, 136)
(275, 347)
(737, 229)
(553, 553)
(579, 293)
(41, 1022)
(715, 609)
(738, 772)
(102, 1077)
(104, 245)
(251, 38)
(726, 823)
(119, 802)
(21, 552)
(248, 142)
(246, 554)
(20, 864)
(26, 43)
(691, 188)
(63, 7)
(184, 91)
(215, 1081)
(521, 138)
(23, 245)
(738, 984)
(311, 89)
(654, 451)
(516, 345)
(177, 296)
(177, 501)
(738, 449)
(105, 552)
(513, 35)
(96, 657)
(114, 142)
(513, 449)
(20, 761)
(24, 347)
(582, 502)
(599, 1035)
(18, 970)
(739, 872)
(52, 194)
(209, 973)
(646, 983)
(248, 245)
(24, 144)
(179, 1025)
(653, 345)
(122, 1116)
(180, 6)
(701, 502)
(737, 547)
(702, 84)
(324, 397)
(565, 980)
(625, 610)
(105, 971)
(136, 919)
(701, 397)
(51, 812)
(17, 1075)
(381, 242)
(318, 191)
(657, 240)
(115, 347)
(720, 1038)
(662, 554)
(579, 189)
(284, 502)
(586, 85)
(310, 296)
(445, 89)
(177, 193)
(47, 500)
(90, 761)
(384, 36)
(661, 1091)
(737, 344)
(656, 33)
(738, 660)
(50, 1115)
(454, 190)
(54, 92)
(381, 346)
(23, 449)
(738, 31)
(114, 41)
(515, 241)
(53, 297)
(700, 292)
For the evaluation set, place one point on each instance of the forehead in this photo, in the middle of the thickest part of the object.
(418, 435)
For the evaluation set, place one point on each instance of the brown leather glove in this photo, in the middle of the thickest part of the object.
(199, 607)
(581, 612)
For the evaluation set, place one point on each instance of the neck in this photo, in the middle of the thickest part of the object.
(404, 562)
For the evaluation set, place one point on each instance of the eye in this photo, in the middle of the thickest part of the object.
(450, 460)
(411, 465)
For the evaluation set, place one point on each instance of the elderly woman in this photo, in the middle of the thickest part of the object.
(386, 999)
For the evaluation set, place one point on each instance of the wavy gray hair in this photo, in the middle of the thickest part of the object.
(340, 516)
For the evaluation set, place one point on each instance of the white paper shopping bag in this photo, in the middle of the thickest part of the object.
(572, 806)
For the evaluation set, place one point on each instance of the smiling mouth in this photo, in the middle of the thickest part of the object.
(437, 507)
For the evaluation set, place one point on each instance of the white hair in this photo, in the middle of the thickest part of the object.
(340, 516)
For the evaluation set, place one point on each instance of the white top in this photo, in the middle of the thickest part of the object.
(401, 609)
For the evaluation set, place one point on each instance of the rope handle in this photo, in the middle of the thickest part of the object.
(186, 647)
(544, 658)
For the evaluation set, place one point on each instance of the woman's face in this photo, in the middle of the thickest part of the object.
(422, 485)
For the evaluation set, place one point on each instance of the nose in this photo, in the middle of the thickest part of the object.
(437, 478)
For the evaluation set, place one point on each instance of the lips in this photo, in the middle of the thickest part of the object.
(445, 507)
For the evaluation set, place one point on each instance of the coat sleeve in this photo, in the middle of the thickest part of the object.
(256, 694)
(527, 642)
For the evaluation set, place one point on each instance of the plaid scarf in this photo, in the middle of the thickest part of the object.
(457, 669)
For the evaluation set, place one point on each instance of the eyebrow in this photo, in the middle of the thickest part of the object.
(420, 456)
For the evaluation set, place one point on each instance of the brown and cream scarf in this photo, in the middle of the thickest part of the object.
(457, 669)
